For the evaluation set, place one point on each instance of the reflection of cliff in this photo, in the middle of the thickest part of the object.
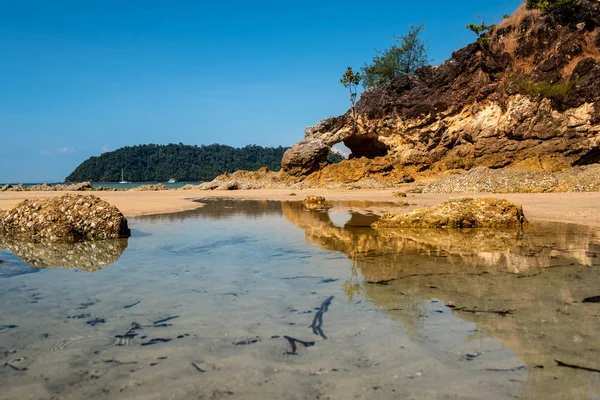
(390, 254)
(219, 208)
(541, 274)
(89, 256)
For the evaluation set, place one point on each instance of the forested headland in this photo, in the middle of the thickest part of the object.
(153, 162)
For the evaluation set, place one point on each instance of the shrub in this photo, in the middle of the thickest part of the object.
(547, 5)
(559, 92)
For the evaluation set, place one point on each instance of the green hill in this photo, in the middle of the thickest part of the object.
(152, 162)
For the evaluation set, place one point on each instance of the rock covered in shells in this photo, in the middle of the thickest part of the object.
(65, 218)
(459, 213)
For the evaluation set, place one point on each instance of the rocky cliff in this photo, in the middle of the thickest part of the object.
(525, 95)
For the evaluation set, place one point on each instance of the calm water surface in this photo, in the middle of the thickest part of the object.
(197, 304)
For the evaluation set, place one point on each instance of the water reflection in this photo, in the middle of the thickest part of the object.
(87, 256)
(524, 288)
(216, 208)
(439, 295)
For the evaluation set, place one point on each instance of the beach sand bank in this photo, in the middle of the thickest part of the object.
(579, 208)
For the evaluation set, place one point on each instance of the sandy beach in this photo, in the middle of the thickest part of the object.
(579, 208)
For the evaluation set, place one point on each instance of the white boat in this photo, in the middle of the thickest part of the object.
(171, 181)
(122, 180)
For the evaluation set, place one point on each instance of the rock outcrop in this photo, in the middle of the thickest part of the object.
(525, 95)
(264, 178)
(66, 218)
(150, 188)
(459, 213)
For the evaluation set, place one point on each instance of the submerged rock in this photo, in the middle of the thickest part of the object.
(459, 213)
(65, 218)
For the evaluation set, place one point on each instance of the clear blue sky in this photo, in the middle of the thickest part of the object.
(81, 77)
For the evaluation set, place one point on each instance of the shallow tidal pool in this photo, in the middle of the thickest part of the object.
(269, 300)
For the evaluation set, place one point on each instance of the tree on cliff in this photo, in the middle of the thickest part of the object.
(404, 57)
(351, 81)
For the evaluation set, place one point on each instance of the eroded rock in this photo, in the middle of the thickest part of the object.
(66, 218)
(530, 100)
(459, 213)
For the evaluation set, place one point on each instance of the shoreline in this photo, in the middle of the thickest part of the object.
(576, 207)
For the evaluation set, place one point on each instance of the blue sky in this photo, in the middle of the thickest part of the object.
(81, 77)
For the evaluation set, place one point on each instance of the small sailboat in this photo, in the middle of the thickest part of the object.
(122, 180)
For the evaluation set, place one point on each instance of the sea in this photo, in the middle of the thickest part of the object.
(123, 186)
(271, 300)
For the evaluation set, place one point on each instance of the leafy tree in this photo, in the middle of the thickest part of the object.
(404, 57)
(547, 5)
(351, 80)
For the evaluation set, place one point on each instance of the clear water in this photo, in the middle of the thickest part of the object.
(472, 315)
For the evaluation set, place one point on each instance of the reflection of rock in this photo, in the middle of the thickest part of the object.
(459, 213)
(314, 202)
(65, 218)
(88, 256)
(541, 274)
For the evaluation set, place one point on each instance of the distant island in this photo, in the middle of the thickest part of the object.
(154, 162)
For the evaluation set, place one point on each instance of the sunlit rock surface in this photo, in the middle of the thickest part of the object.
(525, 95)
(459, 213)
(66, 218)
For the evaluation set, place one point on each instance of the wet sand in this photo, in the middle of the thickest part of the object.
(580, 208)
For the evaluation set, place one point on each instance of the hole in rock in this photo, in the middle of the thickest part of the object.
(591, 157)
(368, 147)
